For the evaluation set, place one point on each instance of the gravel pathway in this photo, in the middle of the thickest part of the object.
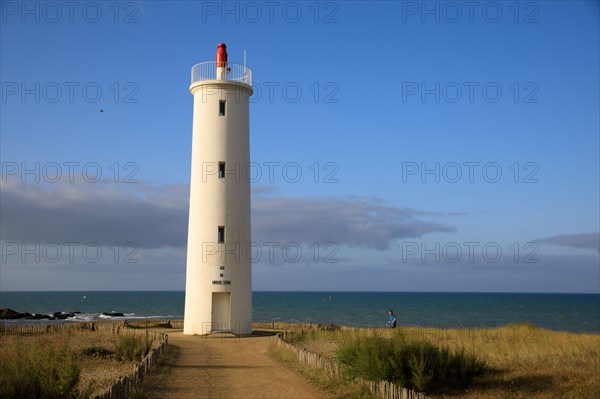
(227, 367)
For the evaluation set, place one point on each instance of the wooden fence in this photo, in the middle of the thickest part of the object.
(112, 326)
(124, 386)
(99, 325)
(381, 389)
(286, 326)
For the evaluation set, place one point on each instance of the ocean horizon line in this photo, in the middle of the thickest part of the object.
(577, 312)
(338, 291)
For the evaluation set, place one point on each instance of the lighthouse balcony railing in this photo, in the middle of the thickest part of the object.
(234, 72)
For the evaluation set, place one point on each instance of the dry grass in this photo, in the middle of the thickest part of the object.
(523, 361)
(337, 389)
(97, 372)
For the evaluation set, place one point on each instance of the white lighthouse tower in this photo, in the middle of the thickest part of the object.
(218, 291)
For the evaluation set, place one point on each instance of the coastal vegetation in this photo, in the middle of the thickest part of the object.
(38, 370)
(415, 364)
(132, 347)
(69, 363)
(513, 361)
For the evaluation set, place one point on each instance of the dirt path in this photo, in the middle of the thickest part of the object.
(227, 367)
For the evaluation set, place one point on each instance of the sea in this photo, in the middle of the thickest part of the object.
(564, 312)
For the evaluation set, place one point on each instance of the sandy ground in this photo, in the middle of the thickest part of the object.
(228, 367)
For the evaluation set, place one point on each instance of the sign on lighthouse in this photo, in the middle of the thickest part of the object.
(218, 291)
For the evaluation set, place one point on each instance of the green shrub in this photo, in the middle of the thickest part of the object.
(98, 352)
(39, 372)
(417, 365)
(420, 370)
(133, 346)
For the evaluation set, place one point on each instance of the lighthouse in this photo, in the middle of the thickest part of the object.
(218, 287)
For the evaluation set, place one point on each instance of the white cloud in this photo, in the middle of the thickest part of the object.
(582, 240)
(156, 216)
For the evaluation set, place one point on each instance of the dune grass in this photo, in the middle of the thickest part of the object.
(39, 371)
(522, 360)
(66, 364)
(344, 389)
(416, 364)
(133, 347)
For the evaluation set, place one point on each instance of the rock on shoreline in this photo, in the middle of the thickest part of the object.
(10, 314)
(113, 314)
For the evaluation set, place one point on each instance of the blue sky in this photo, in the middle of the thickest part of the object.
(457, 148)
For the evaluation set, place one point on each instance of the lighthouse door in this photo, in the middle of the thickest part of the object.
(220, 311)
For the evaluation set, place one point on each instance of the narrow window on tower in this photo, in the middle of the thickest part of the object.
(221, 170)
(222, 108)
(221, 234)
